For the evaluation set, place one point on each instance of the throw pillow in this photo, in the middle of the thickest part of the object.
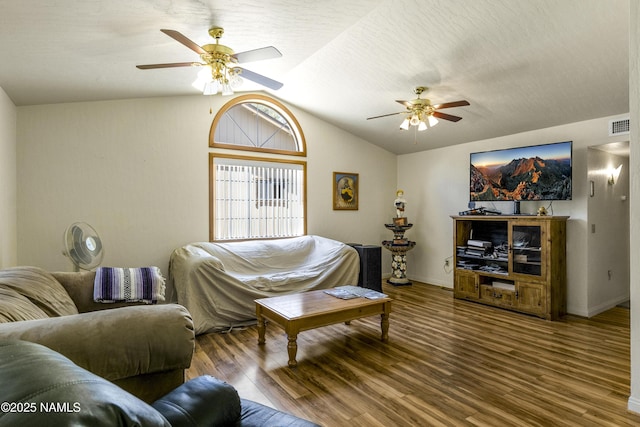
(39, 287)
(14, 307)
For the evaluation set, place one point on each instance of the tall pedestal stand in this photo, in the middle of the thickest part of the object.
(398, 247)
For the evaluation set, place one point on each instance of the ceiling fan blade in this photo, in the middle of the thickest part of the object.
(451, 104)
(405, 103)
(385, 115)
(260, 79)
(446, 116)
(263, 53)
(184, 40)
(169, 65)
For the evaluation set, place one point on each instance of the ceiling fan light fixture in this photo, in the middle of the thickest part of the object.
(234, 78)
(211, 83)
(226, 89)
(415, 120)
(211, 87)
(432, 121)
(203, 77)
(218, 78)
(422, 126)
(405, 124)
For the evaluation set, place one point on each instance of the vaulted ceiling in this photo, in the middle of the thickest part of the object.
(522, 64)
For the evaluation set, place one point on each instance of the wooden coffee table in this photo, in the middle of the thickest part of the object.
(308, 310)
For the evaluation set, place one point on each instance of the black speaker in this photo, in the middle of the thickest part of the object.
(370, 267)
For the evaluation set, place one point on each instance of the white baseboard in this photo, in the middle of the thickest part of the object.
(593, 311)
(634, 404)
(577, 311)
(422, 280)
(429, 281)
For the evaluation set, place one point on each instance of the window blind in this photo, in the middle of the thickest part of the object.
(257, 199)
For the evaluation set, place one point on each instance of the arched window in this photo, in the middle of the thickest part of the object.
(256, 197)
(257, 123)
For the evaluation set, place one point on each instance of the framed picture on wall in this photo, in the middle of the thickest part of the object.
(345, 191)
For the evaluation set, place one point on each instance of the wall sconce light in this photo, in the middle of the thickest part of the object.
(614, 174)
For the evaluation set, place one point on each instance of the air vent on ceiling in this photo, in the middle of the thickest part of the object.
(619, 126)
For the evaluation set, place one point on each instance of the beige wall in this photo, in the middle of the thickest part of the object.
(137, 171)
(634, 200)
(436, 185)
(8, 183)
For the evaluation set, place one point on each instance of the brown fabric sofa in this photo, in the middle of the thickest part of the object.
(144, 349)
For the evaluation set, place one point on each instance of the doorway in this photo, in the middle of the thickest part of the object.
(608, 227)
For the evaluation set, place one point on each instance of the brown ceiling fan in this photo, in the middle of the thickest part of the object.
(222, 60)
(419, 112)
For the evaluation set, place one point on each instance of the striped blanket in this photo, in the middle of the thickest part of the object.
(144, 284)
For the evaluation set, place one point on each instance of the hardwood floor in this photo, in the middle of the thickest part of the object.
(447, 362)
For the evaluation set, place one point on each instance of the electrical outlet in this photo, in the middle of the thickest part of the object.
(446, 263)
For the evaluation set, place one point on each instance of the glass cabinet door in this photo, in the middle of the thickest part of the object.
(526, 248)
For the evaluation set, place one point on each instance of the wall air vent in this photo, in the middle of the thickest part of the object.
(619, 127)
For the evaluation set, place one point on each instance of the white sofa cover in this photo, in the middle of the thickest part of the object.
(218, 282)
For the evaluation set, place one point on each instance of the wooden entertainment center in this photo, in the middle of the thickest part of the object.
(516, 262)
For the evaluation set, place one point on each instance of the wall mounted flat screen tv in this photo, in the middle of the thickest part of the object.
(536, 172)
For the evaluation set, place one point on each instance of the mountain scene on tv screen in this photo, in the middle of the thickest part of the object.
(523, 179)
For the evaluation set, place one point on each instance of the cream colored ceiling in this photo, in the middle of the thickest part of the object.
(522, 64)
